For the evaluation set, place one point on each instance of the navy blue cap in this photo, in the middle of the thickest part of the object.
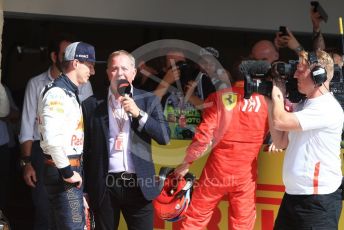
(81, 51)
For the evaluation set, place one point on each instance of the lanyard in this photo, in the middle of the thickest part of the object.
(119, 116)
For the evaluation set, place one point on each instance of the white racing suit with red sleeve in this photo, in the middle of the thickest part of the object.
(235, 129)
(61, 123)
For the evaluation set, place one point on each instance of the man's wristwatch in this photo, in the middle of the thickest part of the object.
(141, 114)
(25, 161)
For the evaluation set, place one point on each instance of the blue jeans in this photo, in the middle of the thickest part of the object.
(66, 200)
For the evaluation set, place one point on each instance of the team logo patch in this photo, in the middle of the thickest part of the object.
(80, 125)
(229, 100)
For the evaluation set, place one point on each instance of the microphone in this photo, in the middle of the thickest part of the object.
(124, 89)
(255, 68)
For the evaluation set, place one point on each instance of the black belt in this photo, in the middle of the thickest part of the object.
(123, 175)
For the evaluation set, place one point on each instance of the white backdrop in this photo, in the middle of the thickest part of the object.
(232, 14)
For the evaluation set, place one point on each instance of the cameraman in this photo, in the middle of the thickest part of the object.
(312, 134)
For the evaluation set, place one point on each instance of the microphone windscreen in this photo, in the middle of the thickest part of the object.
(255, 68)
(123, 87)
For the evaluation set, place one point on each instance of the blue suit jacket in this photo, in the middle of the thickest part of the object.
(96, 149)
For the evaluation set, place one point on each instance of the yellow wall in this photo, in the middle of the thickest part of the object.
(269, 191)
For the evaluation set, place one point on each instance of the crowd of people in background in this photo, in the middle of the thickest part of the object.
(73, 142)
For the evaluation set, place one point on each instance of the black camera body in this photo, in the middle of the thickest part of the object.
(337, 84)
(258, 77)
(287, 71)
(187, 72)
(252, 85)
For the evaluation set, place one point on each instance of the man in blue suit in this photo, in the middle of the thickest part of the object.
(119, 171)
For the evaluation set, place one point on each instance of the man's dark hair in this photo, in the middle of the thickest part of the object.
(64, 66)
(54, 45)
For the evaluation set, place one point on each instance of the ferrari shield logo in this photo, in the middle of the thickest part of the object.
(229, 100)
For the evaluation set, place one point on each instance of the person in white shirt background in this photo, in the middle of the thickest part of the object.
(4, 103)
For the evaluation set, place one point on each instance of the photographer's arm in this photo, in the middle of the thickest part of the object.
(170, 77)
(190, 97)
(288, 41)
(318, 39)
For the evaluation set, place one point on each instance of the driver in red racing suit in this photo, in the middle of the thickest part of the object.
(235, 129)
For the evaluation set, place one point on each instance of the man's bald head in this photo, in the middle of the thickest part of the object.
(264, 50)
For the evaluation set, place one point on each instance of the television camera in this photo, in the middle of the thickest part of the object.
(258, 77)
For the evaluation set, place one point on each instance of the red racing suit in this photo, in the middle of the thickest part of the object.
(235, 129)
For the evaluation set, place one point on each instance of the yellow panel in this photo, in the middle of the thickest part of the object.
(269, 183)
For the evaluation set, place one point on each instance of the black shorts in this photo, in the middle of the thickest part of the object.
(301, 212)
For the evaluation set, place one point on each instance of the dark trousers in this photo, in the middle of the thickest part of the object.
(126, 196)
(5, 158)
(66, 200)
(306, 212)
(39, 193)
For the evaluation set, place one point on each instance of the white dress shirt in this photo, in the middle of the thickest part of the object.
(120, 160)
